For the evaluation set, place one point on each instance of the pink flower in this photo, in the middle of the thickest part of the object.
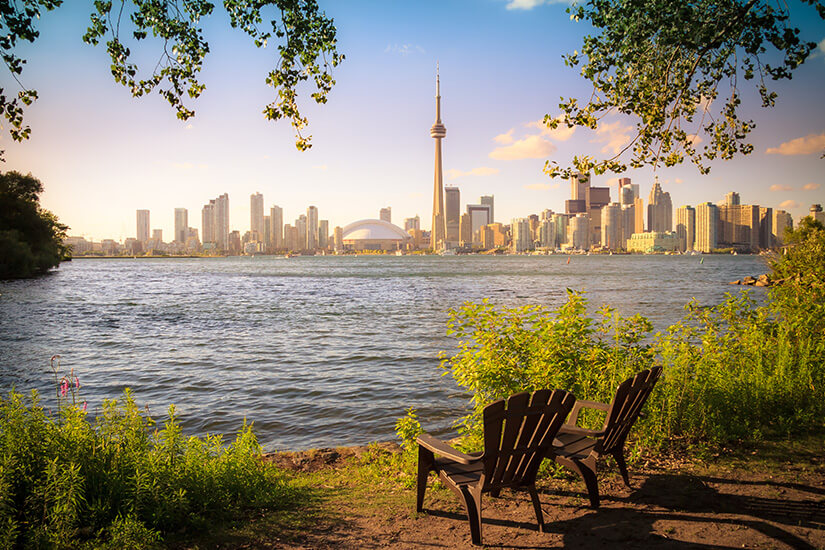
(84, 406)
(64, 387)
(76, 382)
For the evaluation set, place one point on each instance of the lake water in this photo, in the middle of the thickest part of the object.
(317, 351)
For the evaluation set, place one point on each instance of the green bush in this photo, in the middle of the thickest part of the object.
(69, 481)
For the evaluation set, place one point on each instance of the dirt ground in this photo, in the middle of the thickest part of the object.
(771, 497)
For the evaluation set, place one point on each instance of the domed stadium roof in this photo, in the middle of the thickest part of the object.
(374, 230)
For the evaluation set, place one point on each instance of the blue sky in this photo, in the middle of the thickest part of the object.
(102, 154)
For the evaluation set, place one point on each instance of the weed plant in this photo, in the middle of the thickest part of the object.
(117, 481)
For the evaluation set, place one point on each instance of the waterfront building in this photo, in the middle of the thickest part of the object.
(738, 225)
(374, 235)
(816, 213)
(256, 213)
(781, 221)
(639, 207)
(659, 209)
(338, 238)
(589, 200)
(323, 234)
(385, 214)
(465, 231)
(192, 241)
(732, 199)
(276, 227)
(765, 227)
(628, 223)
(412, 223)
(653, 241)
(157, 236)
(611, 223)
(221, 222)
(489, 200)
(312, 228)
(479, 215)
(301, 232)
(181, 225)
(290, 237)
(686, 228)
(233, 241)
(546, 214)
(547, 233)
(438, 233)
(142, 226)
(522, 235)
(417, 238)
(578, 232)
(707, 222)
(452, 206)
(560, 221)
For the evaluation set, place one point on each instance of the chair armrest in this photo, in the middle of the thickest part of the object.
(568, 429)
(584, 404)
(441, 448)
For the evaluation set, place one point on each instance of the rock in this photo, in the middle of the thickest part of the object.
(764, 278)
(748, 280)
(761, 282)
(736, 282)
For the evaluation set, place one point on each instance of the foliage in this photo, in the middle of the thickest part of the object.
(676, 68)
(408, 428)
(306, 50)
(31, 238)
(114, 482)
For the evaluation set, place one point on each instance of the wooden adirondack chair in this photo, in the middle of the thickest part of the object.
(517, 436)
(579, 449)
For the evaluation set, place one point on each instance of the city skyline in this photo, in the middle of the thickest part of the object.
(102, 154)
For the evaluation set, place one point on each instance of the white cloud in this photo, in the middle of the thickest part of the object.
(530, 4)
(679, 180)
(614, 135)
(321, 167)
(812, 143)
(531, 147)
(612, 182)
(505, 139)
(694, 139)
(480, 171)
(404, 49)
(542, 186)
(562, 133)
(779, 187)
(810, 187)
(789, 204)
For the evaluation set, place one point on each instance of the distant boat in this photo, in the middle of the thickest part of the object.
(568, 260)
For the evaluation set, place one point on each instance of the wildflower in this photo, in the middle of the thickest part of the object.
(84, 406)
(76, 382)
(64, 387)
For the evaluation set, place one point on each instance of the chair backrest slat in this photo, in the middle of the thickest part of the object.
(626, 407)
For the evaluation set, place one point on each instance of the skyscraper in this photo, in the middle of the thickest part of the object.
(222, 222)
(686, 227)
(312, 228)
(489, 200)
(522, 235)
(452, 203)
(578, 231)
(208, 222)
(385, 214)
(707, 220)
(276, 227)
(301, 229)
(611, 226)
(181, 225)
(438, 234)
(781, 221)
(142, 226)
(412, 223)
(659, 209)
(256, 216)
(323, 234)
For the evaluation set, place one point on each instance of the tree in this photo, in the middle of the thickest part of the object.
(306, 41)
(31, 238)
(675, 67)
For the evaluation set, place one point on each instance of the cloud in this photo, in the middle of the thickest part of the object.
(612, 182)
(480, 171)
(613, 135)
(779, 187)
(530, 4)
(321, 167)
(562, 133)
(678, 180)
(505, 139)
(820, 50)
(694, 139)
(810, 187)
(542, 186)
(812, 143)
(531, 147)
(404, 49)
(789, 204)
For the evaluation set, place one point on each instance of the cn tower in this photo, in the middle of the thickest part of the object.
(438, 235)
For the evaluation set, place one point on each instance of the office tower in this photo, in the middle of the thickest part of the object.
(312, 228)
(781, 221)
(323, 234)
(385, 214)
(578, 231)
(256, 215)
(738, 225)
(686, 228)
(222, 222)
(208, 222)
(534, 226)
(628, 224)
(639, 208)
(578, 186)
(438, 233)
(142, 225)
(192, 240)
(301, 230)
(547, 233)
(338, 238)
(560, 221)
(816, 213)
(412, 223)
(522, 237)
(732, 199)
(659, 209)
(276, 227)
(181, 224)
(546, 214)
(707, 220)
(611, 223)
(267, 236)
(290, 238)
(489, 200)
(157, 236)
(452, 206)
(465, 230)
(479, 215)
(233, 242)
(765, 227)
(588, 200)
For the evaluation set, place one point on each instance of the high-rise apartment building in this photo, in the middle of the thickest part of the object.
(290, 238)
(560, 221)
(268, 234)
(142, 226)
(181, 225)
(256, 215)
(765, 227)
(547, 233)
(323, 234)
(465, 230)
(578, 232)
(338, 238)
(611, 226)
(208, 223)
(686, 228)
(639, 207)
(732, 199)
(628, 223)
(588, 200)
(489, 200)
(301, 230)
(659, 210)
(312, 228)
(413, 223)
(222, 222)
(738, 225)
(707, 221)
(385, 214)
(276, 227)
(781, 221)
(452, 206)
(157, 236)
(522, 235)
(438, 233)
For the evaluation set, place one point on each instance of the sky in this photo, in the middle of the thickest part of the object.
(102, 154)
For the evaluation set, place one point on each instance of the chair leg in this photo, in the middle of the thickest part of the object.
(426, 459)
(587, 469)
(472, 504)
(619, 456)
(534, 496)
